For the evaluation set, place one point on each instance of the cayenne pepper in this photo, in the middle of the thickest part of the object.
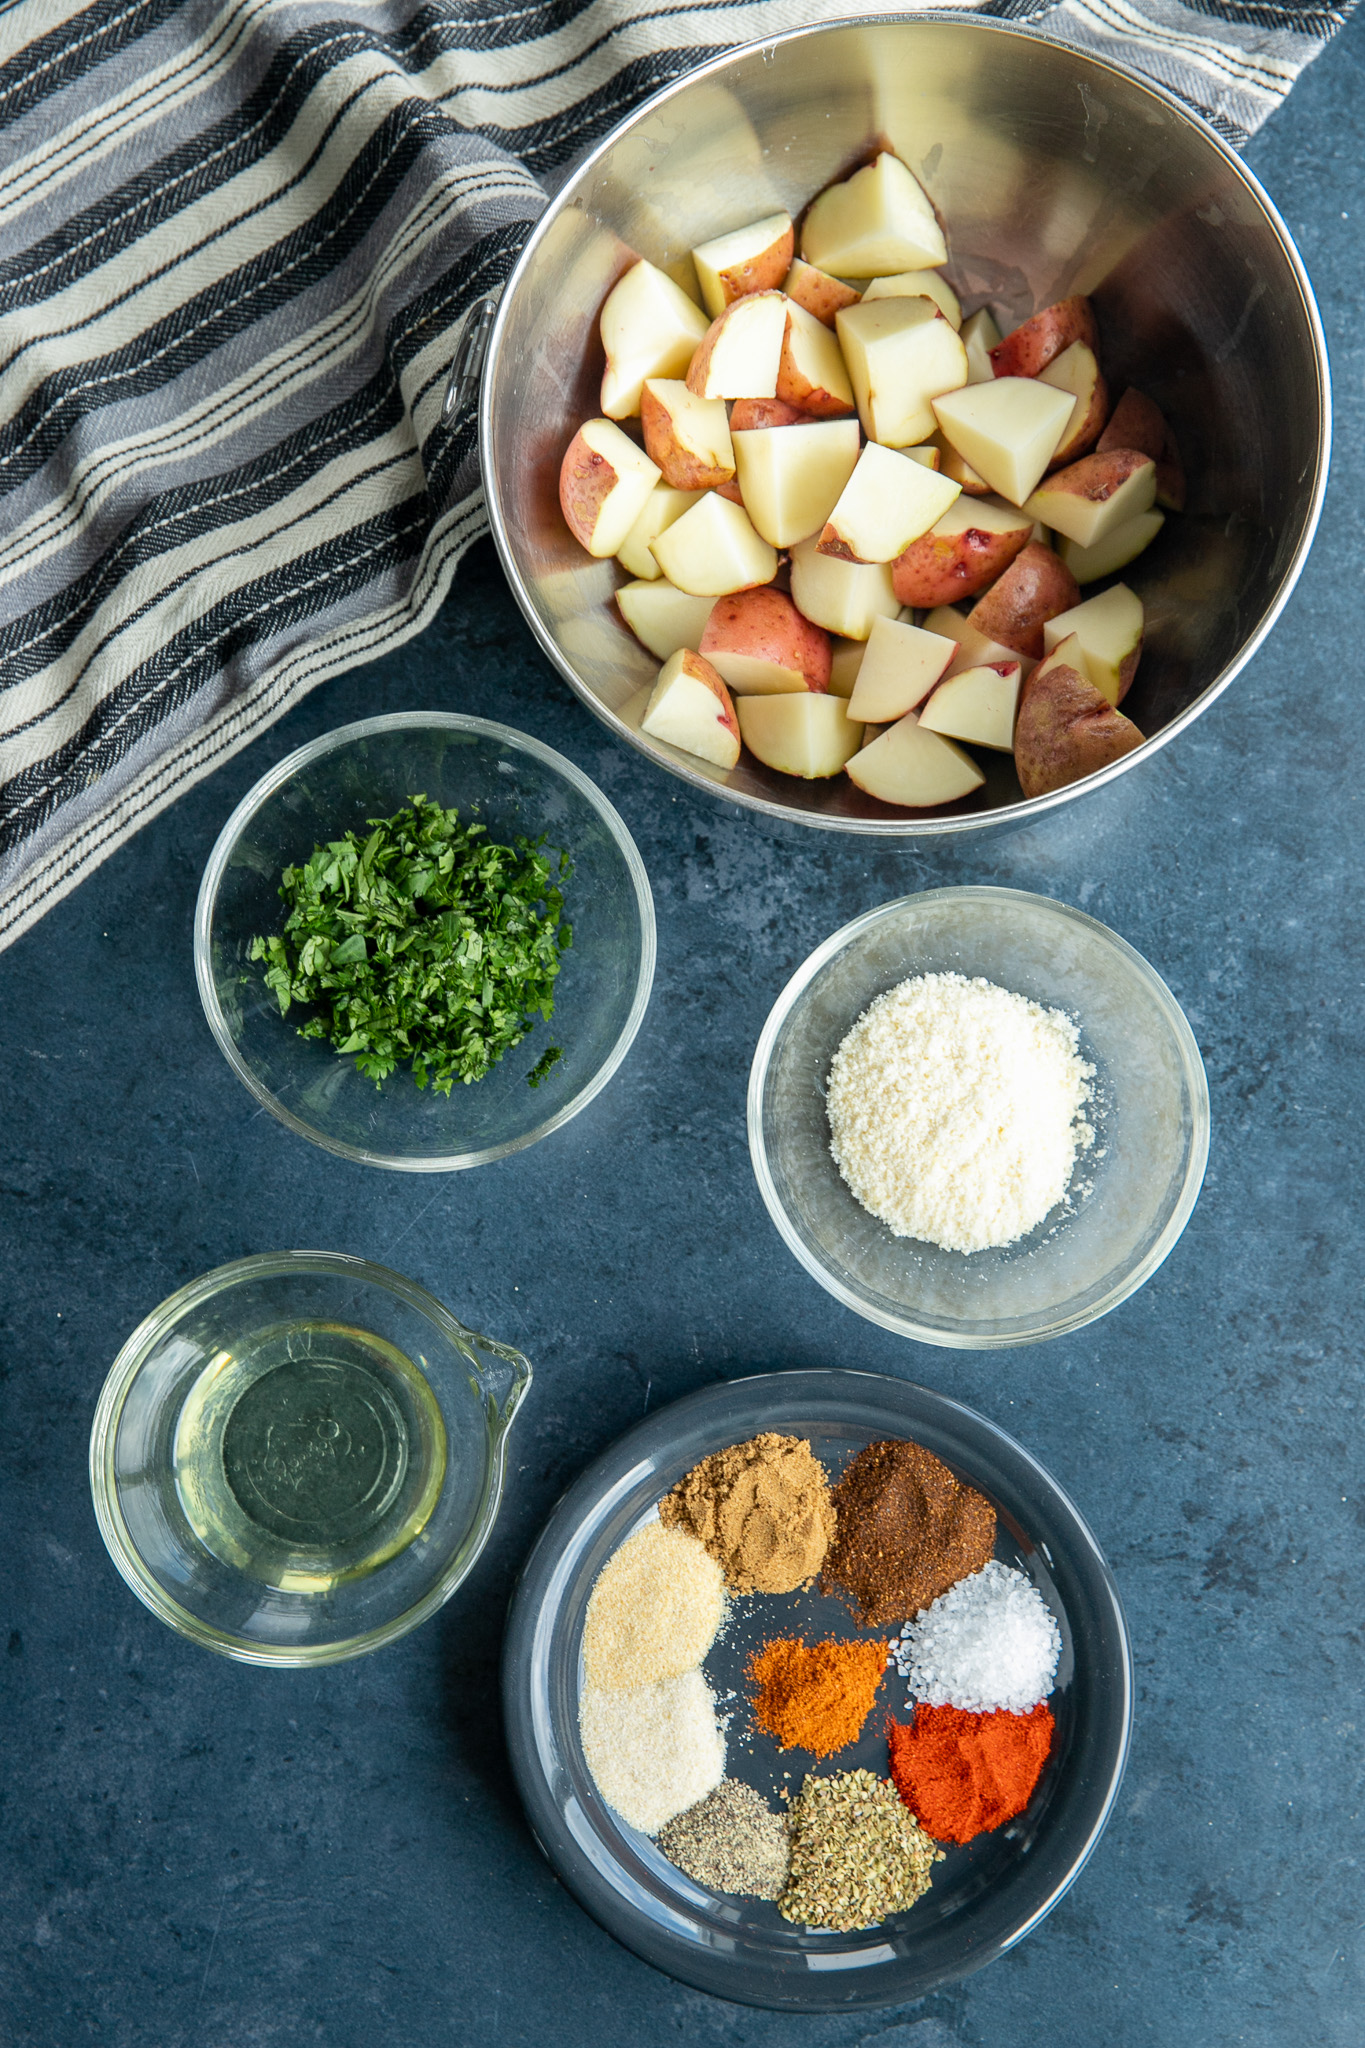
(963, 1774)
(815, 1696)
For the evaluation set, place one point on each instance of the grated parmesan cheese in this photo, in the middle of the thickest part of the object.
(956, 1110)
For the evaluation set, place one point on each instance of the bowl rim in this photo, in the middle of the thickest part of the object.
(843, 1394)
(911, 827)
(332, 742)
(133, 1355)
(1192, 1064)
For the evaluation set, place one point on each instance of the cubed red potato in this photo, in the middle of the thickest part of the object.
(1036, 587)
(604, 481)
(649, 328)
(662, 617)
(690, 708)
(688, 437)
(1007, 429)
(889, 501)
(1091, 498)
(902, 355)
(749, 259)
(792, 477)
(740, 352)
(901, 665)
(713, 549)
(1137, 422)
(810, 735)
(1076, 370)
(1122, 545)
(927, 284)
(874, 223)
(1066, 729)
(1102, 638)
(818, 292)
(974, 542)
(811, 372)
(977, 706)
(910, 765)
(1038, 341)
(759, 643)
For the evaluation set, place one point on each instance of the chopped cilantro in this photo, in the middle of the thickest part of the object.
(425, 944)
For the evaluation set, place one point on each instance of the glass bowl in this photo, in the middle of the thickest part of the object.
(513, 784)
(285, 1393)
(1137, 1186)
(983, 1897)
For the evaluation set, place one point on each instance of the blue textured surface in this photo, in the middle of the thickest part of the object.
(199, 1854)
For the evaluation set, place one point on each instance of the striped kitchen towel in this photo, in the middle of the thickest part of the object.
(238, 242)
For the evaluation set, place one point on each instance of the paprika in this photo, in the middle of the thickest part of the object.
(963, 1774)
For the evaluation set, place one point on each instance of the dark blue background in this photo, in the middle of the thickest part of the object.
(198, 1855)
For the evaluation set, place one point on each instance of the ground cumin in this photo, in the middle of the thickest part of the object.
(962, 1774)
(762, 1509)
(907, 1531)
(815, 1696)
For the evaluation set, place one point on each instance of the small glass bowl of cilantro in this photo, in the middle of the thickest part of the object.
(424, 941)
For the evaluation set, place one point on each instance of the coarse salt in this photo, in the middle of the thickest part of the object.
(989, 1642)
(956, 1110)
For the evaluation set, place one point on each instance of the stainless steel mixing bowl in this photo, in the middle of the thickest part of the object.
(1054, 172)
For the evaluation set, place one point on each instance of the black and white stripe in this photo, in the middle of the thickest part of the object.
(238, 243)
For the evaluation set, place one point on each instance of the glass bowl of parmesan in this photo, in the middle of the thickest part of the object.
(978, 1117)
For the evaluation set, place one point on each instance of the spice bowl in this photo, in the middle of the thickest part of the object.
(510, 783)
(298, 1457)
(1132, 1192)
(984, 1897)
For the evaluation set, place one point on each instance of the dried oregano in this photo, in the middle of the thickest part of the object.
(857, 1853)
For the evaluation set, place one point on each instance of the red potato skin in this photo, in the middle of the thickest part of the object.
(585, 478)
(696, 665)
(1036, 587)
(939, 569)
(1137, 422)
(765, 273)
(685, 472)
(1128, 668)
(1097, 476)
(748, 413)
(731, 491)
(766, 624)
(794, 388)
(1036, 343)
(820, 293)
(1066, 730)
(1089, 430)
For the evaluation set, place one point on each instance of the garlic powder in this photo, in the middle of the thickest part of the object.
(956, 1110)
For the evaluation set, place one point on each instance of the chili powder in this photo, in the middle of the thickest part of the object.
(906, 1530)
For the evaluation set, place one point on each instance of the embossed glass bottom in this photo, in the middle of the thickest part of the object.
(309, 1454)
